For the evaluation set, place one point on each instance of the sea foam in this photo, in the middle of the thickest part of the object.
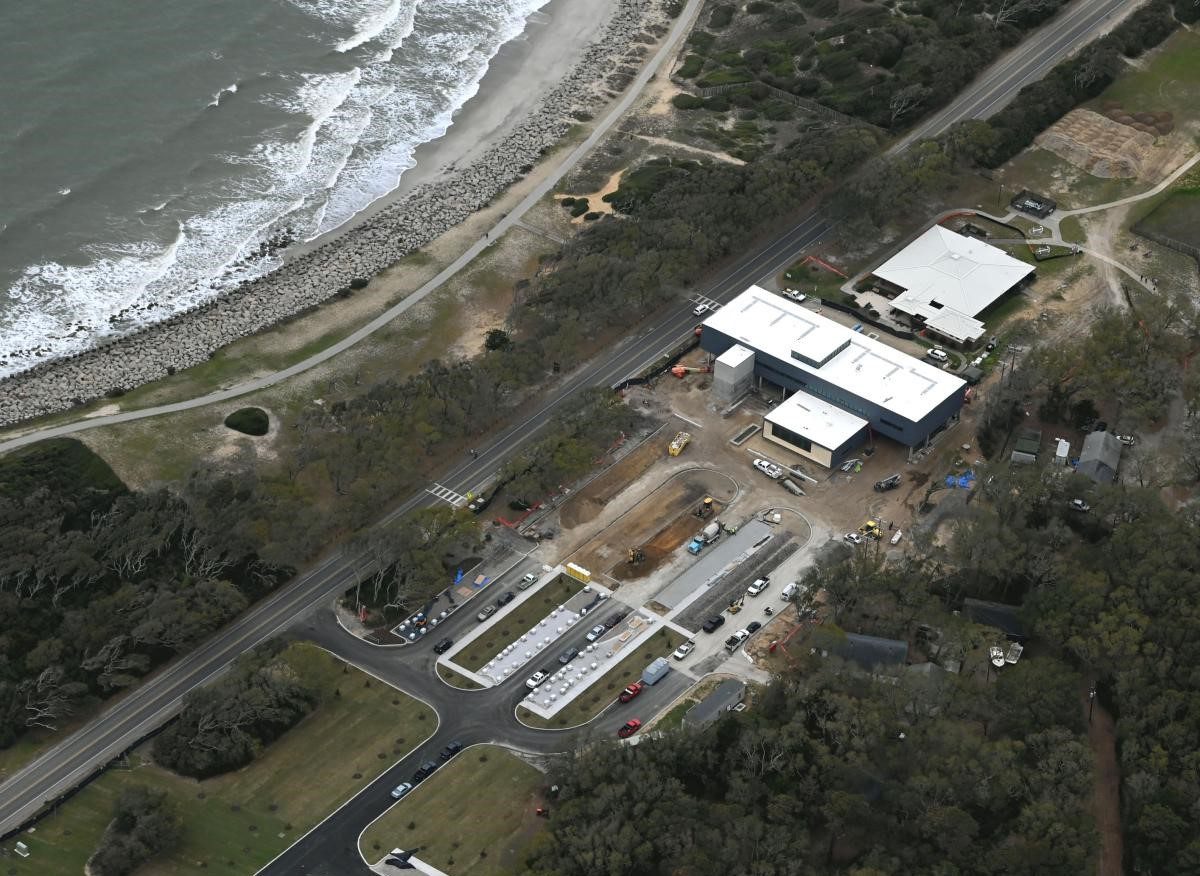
(354, 134)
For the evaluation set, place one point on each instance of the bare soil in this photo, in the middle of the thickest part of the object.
(590, 501)
(1106, 799)
(641, 526)
(664, 543)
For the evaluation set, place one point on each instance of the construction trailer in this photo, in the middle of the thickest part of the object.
(679, 442)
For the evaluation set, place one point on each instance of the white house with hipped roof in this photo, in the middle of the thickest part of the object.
(946, 279)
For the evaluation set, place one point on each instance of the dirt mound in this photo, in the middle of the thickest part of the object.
(1103, 146)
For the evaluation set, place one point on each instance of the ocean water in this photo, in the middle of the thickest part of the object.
(156, 152)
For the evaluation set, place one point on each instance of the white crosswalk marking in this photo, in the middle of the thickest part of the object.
(447, 494)
(712, 303)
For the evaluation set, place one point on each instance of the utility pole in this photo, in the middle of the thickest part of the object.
(1091, 702)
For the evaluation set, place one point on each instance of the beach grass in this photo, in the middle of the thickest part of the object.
(501, 630)
(604, 690)
(473, 817)
(235, 823)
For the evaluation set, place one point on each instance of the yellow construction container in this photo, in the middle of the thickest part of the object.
(679, 442)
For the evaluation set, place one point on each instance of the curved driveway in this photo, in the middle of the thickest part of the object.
(158, 698)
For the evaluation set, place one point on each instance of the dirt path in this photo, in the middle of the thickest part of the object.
(1106, 803)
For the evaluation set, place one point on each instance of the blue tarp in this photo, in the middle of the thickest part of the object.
(963, 482)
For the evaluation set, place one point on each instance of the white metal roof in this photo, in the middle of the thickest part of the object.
(816, 419)
(943, 272)
(735, 356)
(954, 325)
(864, 367)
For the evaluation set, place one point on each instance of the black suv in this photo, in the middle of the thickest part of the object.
(450, 750)
(616, 619)
(505, 598)
(426, 770)
(443, 646)
(568, 655)
(712, 623)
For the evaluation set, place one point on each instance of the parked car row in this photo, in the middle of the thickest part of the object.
(427, 769)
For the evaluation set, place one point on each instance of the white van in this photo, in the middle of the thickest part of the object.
(790, 591)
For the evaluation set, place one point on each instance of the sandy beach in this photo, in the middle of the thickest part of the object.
(520, 76)
(561, 69)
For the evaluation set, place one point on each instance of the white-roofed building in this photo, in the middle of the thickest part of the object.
(945, 279)
(844, 385)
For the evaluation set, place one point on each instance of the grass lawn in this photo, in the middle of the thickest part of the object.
(1178, 217)
(474, 816)
(235, 823)
(448, 675)
(1166, 82)
(673, 719)
(1072, 230)
(605, 689)
(502, 630)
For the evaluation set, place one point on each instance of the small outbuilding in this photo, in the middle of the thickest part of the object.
(1100, 457)
(1005, 618)
(872, 652)
(726, 697)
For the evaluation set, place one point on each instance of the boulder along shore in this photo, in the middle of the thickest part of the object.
(362, 251)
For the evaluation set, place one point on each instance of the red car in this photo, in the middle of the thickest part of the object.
(633, 725)
(632, 691)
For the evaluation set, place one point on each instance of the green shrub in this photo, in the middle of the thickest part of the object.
(567, 202)
(249, 421)
(692, 66)
(581, 206)
(359, 283)
(687, 101)
(591, 217)
(758, 7)
(721, 16)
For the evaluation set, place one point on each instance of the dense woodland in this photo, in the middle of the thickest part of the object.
(887, 64)
(837, 772)
(98, 584)
(225, 725)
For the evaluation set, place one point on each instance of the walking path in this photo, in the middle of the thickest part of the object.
(511, 219)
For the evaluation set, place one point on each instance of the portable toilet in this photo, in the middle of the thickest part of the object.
(1063, 453)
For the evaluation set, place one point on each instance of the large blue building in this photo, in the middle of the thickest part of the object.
(842, 387)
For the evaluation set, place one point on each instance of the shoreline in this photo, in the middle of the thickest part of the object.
(509, 92)
(537, 87)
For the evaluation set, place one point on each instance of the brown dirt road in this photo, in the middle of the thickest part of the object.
(1106, 802)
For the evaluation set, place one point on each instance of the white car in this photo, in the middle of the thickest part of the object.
(401, 789)
(700, 310)
(1080, 506)
(897, 535)
(853, 538)
(536, 679)
(1127, 440)
(596, 632)
(937, 355)
(770, 469)
(759, 585)
(684, 649)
